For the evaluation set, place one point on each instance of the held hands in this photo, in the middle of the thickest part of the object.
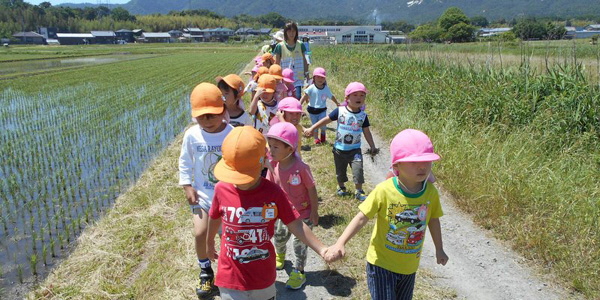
(334, 253)
(308, 132)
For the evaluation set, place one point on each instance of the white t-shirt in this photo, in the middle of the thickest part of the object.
(200, 152)
(241, 120)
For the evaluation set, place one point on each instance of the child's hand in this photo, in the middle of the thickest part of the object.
(441, 256)
(279, 116)
(308, 132)
(191, 195)
(314, 217)
(259, 92)
(210, 250)
(335, 252)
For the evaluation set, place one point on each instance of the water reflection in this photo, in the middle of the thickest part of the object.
(7, 68)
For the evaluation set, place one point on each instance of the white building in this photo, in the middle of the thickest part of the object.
(365, 34)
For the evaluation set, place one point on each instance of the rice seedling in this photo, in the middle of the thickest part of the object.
(71, 145)
(33, 261)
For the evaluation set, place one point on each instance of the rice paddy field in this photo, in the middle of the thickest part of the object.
(76, 134)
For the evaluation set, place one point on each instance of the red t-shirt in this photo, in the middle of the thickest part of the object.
(295, 182)
(247, 256)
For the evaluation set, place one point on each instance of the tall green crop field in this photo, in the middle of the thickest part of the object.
(520, 148)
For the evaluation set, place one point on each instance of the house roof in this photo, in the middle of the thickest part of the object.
(75, 35)
(156, 35)
(124, 30)
(103, 33)
(29, 34)
(594, 26)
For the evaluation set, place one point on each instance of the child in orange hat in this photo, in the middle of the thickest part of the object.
(264, 106)
(246, 206)
(200, 152)
(232, 88)
(281, 89)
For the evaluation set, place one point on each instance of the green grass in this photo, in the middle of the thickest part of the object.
(520, 150)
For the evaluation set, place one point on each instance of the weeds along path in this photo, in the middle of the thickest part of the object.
(480, 267)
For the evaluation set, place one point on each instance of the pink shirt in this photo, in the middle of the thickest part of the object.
(247, 256)
(281, 91)
(295, 182)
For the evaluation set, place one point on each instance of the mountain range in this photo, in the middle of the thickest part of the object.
(413, 11)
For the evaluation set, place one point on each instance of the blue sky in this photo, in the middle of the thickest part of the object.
(56, 2)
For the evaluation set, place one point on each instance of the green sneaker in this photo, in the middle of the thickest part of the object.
(279, 261)
(296, 281)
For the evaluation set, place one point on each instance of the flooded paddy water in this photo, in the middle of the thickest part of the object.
(70, 147)
(30, 66)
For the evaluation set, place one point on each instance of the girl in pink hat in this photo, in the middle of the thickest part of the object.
(405, 206)
(290, 110)
(316, 95)
(296, 180)
(288, 80)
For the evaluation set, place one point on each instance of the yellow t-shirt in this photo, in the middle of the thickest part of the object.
(399, 233)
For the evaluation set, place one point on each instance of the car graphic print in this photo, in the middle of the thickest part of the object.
(251, 255)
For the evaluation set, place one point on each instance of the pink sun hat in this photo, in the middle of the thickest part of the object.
(355, 87)
(285, 132)
(288, 75)
(411, 145)
(320, 72)
(290, 104)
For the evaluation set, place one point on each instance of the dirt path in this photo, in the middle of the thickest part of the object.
(480, 266)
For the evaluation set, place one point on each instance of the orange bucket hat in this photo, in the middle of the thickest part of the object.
(206, 98)
(233, 81)
(244, 150)
(267, 82)
(260, 72)
(276, 71)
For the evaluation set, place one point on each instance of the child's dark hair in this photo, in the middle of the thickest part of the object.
(224, 86)
(288, 26)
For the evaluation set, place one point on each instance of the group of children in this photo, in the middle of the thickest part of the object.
(252, 194)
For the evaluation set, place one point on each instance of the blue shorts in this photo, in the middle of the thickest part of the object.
(314, 118)
(384, 284)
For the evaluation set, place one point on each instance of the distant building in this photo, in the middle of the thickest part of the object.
(397, 39)
(125, 35)
(592, 27)
(487, 32)
(193, 34)
(75, 38)
(104, 37)
(334, 29)
(570, 32)
(217, 34)
(156, 37)
(48, 32)
(360, 35)
(29, 37)
(586, 34)
(252, 31)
